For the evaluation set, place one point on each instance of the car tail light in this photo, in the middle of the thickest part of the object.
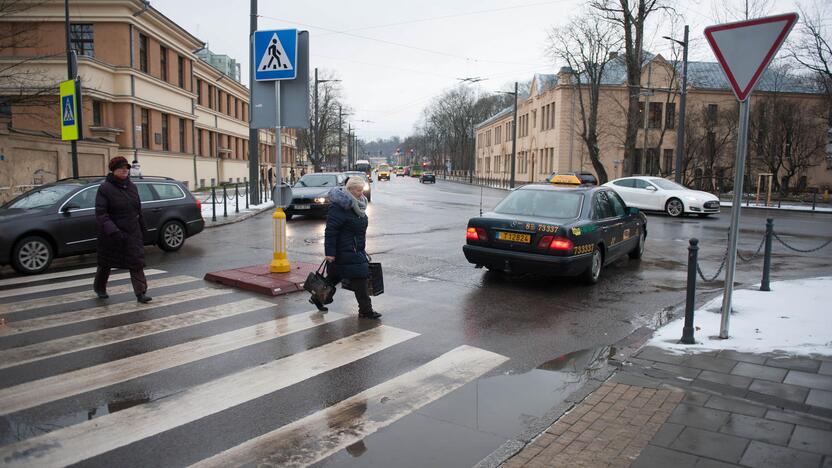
(198, 204)
(561, 243)
(544, 242)
(476, 234)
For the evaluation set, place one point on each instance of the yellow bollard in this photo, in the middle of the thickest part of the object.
(280, 264)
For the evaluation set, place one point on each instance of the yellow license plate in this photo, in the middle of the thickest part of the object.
(514, 237)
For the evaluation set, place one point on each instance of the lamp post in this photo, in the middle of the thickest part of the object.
(680, 132)
(315, 127)
(513, 135)
(72, 74)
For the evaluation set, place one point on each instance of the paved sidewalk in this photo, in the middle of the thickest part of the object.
(705, 410)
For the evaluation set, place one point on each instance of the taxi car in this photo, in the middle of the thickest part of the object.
(383, 172)
(427, 177)
(556, 229)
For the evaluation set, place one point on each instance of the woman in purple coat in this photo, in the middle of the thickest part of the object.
(121, 228)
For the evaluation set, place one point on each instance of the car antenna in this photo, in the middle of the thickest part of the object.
(481, 188)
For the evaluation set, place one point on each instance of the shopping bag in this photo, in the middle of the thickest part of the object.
(317, 284)
(375, 284)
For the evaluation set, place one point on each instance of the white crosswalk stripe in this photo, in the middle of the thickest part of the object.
(46, 276)
(67, 284)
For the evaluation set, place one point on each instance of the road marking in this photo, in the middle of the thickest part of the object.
(70, 344)
(67, 284)
(31, 394)
(87, 295)
(88, 439)
(48, 276)
(110, 310)
(319, 435)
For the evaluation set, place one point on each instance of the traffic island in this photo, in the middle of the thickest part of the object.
(260, 280)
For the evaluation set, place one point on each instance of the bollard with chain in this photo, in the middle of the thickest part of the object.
(687, 330)
(236, 198)
(814, 199)
(764, 284)
(246, 196)
(213, 203)
(224, 202)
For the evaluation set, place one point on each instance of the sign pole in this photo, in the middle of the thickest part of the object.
(279, 264)
(739, 165)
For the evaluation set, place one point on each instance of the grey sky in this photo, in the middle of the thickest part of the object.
(391, 64)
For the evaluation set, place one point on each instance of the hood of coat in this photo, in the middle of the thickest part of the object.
(339, 196)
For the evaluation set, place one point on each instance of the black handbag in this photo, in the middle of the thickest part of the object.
(375, 284)
(317, 284)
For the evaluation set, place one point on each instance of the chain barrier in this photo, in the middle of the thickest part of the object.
(757, 253)
(718, 272)
(800, 250)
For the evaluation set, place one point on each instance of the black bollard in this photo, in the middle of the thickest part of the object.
(246, 196)
(236, 198)
(213, 203)
(693, 254)
(224, 202)
(764, 284)
(814, 199)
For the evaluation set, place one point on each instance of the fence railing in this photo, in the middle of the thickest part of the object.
(231, 196)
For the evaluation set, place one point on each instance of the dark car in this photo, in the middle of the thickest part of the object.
(58, 220)
(427, 177)
(309, 194)
(556, 230)
(367, 181)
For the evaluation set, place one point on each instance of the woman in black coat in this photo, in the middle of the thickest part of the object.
(345, 243)
(121, 228)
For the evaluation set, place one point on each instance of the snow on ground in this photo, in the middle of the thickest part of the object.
(231, 203)
(785, 206)
(793, 317)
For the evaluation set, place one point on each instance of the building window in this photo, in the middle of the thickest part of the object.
(212, 149)
(143, 53)
(210, 97)
(145, 129)
(163, 62)
(641, 113)
(713, 110)
(199, 99)
(668, 161)
(181, 135)
(5, 107)
(228, 104)
(80, 37)
(655, 118)
(96, 113)
(199, 142)
(670, 115)
(165, 134)
(652, 162)
(181, 71)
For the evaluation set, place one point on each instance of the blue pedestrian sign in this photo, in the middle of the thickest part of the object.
(68, 107)
(275, 54)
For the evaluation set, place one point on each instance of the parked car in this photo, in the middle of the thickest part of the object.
(310, 194)
(427, 177)
(556, 230)
(655, 193)
(367, 186)
(58, 220)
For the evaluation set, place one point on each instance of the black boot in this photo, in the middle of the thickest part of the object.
(144, 298)
(370, 314)
(102, 294)
(314, 300)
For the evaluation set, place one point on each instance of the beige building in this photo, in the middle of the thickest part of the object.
(146, 96)
(548, 127)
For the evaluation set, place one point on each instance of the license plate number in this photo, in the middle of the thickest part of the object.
(514, 237)
(302, 207)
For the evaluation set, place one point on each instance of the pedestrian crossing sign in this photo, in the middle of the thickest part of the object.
(275, 54)
(69, 122)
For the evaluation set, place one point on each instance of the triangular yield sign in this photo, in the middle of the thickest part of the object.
(274, 57)
(744, 49)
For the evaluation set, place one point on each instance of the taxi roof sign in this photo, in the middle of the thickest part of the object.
(565, 179)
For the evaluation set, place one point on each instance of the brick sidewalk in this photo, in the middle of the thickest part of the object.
(608, 429)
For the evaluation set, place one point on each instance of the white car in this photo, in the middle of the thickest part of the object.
(655, 193)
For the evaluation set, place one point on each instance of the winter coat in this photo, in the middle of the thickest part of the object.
(121, 227)
(345, 237)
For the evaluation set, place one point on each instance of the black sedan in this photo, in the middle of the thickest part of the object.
(427, 177)
(309, 194)
(58, 220)
(556, 230)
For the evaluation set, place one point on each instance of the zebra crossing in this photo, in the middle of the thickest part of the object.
(195, 357)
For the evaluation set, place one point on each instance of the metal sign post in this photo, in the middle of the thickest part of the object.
(744, 50)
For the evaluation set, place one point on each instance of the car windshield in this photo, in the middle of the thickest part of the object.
(542, 203)
(667, 184)
(355, 174)
(42, 198)
(318, 180)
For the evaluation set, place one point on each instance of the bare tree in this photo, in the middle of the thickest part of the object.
(812, 47)
(323, 127)
(710, 137)
(585, 45)
(631, 16)
(726, 11)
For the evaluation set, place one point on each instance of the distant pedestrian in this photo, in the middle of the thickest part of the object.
(121, 228)
(292, 176)
(271, 178)
(302, 171)
(345, 240)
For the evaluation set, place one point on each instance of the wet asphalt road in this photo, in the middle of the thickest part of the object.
(554, 331)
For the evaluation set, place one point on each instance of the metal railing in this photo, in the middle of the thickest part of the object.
(233, 194)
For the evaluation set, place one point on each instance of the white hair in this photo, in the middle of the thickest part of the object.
(355, 181)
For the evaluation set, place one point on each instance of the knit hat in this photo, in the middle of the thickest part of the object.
(117, 162)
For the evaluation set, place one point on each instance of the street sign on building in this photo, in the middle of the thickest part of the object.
(68, 111)
(275, 54)
(744, 49)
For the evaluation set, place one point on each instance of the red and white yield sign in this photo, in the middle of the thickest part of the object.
(744, 49)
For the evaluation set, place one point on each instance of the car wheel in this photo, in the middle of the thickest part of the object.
(172, 236)
(674, 207)
(593, 272)
(638, 251)
(32, 255)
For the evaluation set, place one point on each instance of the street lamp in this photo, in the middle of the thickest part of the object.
(680, 132)
(513, 134)
(315, 127)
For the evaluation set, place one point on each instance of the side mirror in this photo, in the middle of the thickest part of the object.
(632, 211)
(651, 188)
(68, 207)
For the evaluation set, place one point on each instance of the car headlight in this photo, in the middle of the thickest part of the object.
(320, 200)
(366, 186)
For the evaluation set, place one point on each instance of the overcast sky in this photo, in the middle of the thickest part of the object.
(394, 57)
